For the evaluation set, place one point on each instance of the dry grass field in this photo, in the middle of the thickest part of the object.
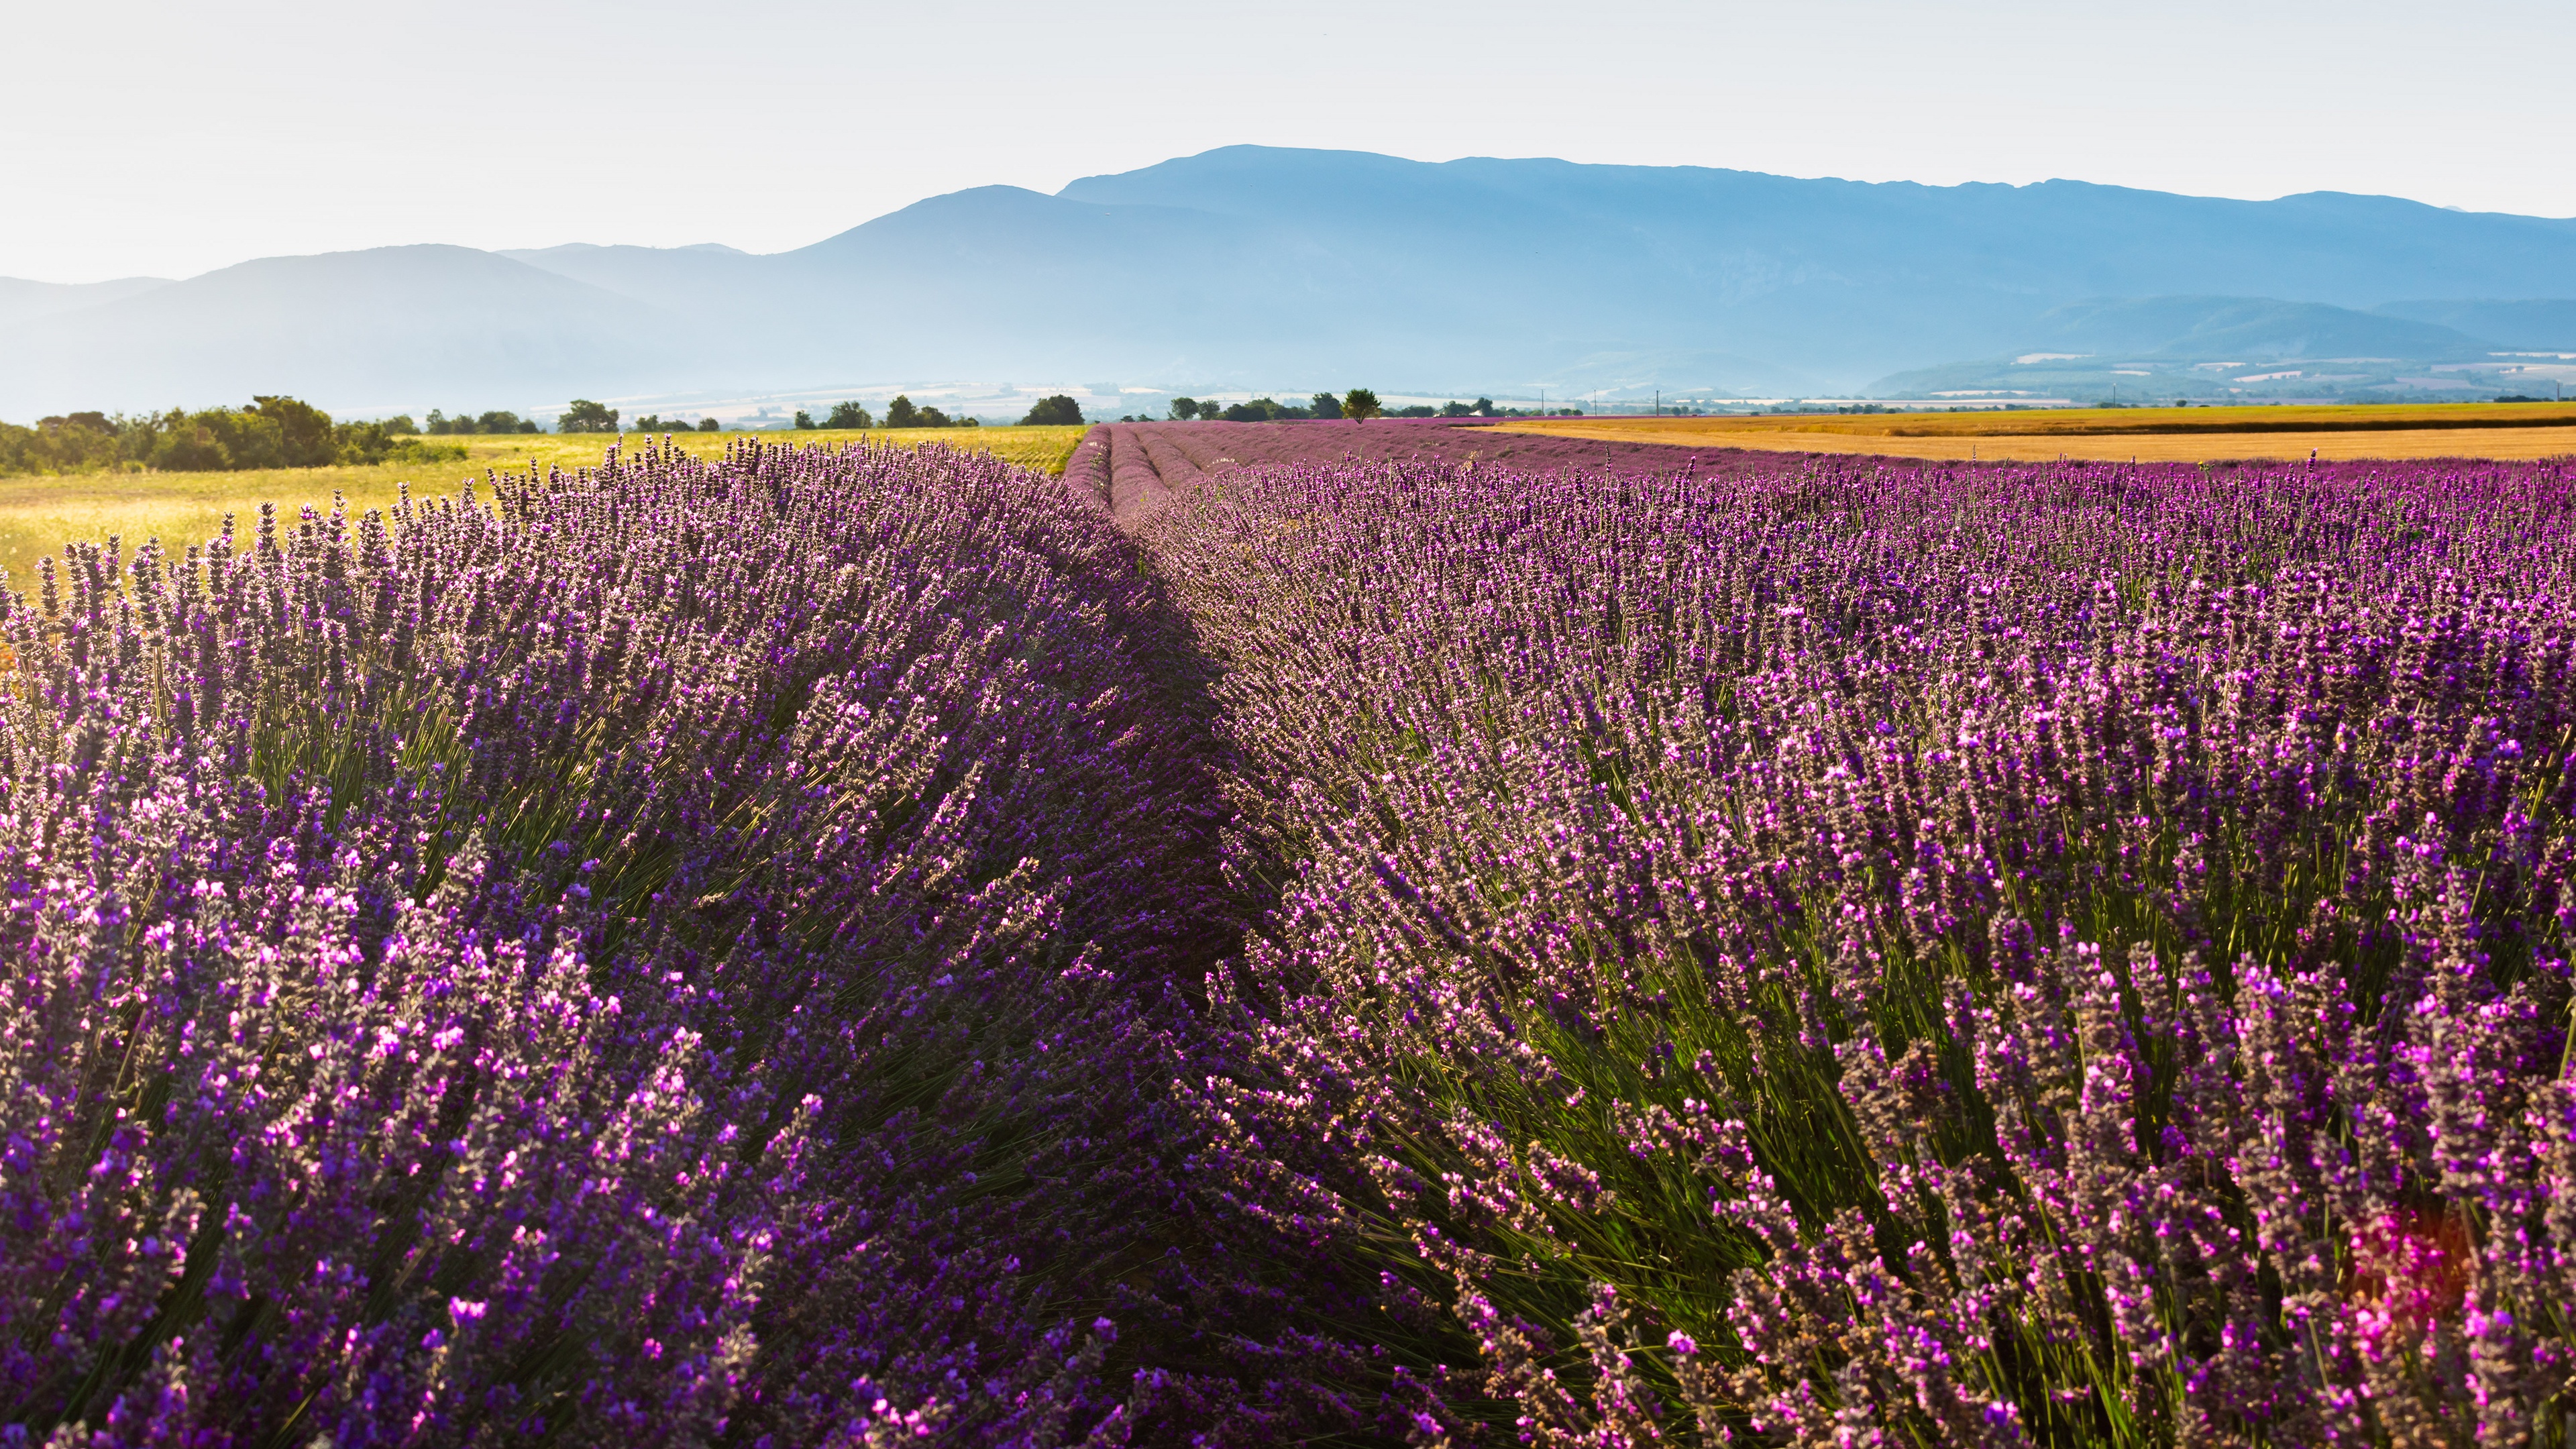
(39, 514)
(2173, 435)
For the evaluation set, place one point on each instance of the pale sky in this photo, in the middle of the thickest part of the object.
(166, 139)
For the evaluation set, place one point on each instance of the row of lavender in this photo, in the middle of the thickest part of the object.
(1872, 954)
(677, 951)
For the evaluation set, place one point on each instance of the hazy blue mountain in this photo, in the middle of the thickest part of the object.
(702, 280)
(1836, 277)
(1285, 269)
(2535, 325)
(391, 327)
(1255, 264)
(21, 301)
(2214, 347)
(2216, 328)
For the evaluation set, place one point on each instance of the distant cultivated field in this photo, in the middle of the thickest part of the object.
(2172, 435)
(39, 514)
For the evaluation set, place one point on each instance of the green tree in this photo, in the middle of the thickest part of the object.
(1360, 405)
(400, 425)
(500, 422)
(849, 415)
(1184, 408)
(933, 418)
(1484, 407)
(804, 421)
(707, 425)
(217, 440)
(1058, 411)
(901, 413)
(303, 431)
(1324, 405)
(585, 416)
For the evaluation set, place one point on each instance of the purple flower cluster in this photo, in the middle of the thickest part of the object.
(674, 952)
(1859, 953)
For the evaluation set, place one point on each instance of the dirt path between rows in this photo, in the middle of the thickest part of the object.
(1138, 468)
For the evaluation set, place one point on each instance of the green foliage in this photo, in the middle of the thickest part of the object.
(1485, 407)
(901, 413)
(77, 443)
(1456, 409)
(303, 431)
(1360, 404)
(1324, 405)
(1056, 411)
(804, 421)
(585, 416)
(709, 425)
(1259, 410)
(273, 432)
(381, 442)
(492, 422)
(1184, 409)
(849, 415)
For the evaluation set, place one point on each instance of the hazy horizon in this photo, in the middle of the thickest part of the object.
(607, 241)
(205, 139)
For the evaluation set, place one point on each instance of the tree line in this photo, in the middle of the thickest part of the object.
(272, 432)
(1058, 410)
(1359, 404)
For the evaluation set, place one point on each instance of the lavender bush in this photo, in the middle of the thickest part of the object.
(673, 951)
(1870, 954)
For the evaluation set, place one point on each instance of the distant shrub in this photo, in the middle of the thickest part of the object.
(492, 422)
(849, 415)
(1260, 410)
(901, 413)
(1184, 409)
(75, 443)
(1324, 405)
(585, 416)
(1056, 411)
(273, 432)
(1360, 404)
(804, 420)
(708, 425)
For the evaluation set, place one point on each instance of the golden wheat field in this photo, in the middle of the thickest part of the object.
(2169, 435)
(39, 514)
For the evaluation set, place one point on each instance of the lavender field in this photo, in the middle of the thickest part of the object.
(1307, 945)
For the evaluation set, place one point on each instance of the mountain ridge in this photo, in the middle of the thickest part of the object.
(1252, 265)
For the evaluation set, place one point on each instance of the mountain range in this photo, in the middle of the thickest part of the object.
(1258, 266)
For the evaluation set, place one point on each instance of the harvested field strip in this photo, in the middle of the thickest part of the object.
(1706, 434)
(2055, 422)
